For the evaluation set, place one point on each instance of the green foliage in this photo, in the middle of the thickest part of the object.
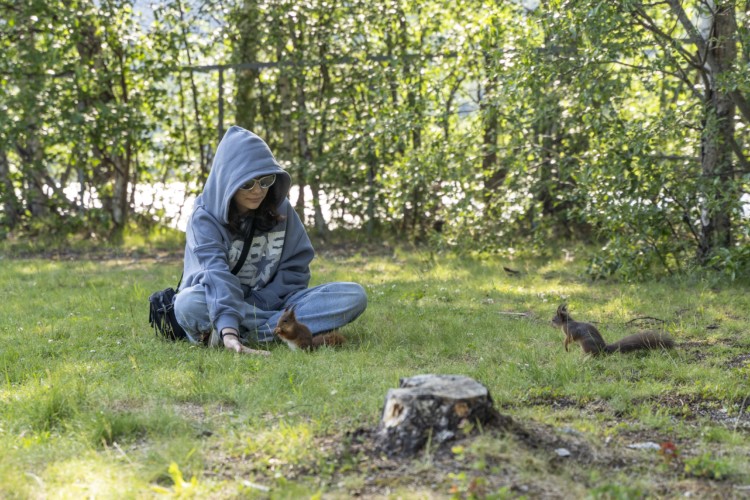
(89, 96)
(708, 467)
(616, 492)
(734, 262)
(483, 127)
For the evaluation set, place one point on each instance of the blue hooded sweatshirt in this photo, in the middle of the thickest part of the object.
(279, 259)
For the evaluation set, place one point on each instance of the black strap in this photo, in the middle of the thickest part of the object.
(245, 248)
(243, 255)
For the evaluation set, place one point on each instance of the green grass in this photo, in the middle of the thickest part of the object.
(93, 404)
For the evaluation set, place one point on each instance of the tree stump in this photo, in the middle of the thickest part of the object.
(431, 407)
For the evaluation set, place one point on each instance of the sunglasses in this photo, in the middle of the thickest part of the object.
(265, 183)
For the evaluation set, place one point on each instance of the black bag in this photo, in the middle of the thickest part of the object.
(161, 303)
(161, 315)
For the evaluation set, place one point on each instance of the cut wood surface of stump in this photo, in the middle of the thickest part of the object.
(435, 408)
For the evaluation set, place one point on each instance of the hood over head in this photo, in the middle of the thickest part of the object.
(240, 157)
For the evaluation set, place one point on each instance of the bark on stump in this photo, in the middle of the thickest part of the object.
(431, 407)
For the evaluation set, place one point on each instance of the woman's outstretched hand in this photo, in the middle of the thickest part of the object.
(232, 342)
(257, 352)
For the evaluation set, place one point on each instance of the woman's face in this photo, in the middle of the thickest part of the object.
(249, 200)
(251, 195)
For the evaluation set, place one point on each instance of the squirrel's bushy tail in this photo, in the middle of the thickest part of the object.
(644, 340)
(329, 339)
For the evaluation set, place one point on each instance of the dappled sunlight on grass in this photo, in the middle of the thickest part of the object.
(90, 476)
(35, 267)
(81, 368)
(281, 443)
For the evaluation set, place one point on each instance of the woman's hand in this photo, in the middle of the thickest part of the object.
(247, 350)
(231, 340)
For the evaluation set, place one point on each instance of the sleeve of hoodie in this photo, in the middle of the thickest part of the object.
(224, 296)
(293, 273)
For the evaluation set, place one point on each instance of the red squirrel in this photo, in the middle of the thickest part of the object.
(593, 343)
(298, 336)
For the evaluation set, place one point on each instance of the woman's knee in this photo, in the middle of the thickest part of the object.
(357, 296)
(190, 308)
(362, 296)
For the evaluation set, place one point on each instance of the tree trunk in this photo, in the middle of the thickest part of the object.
(26, 141)
(489, 114)
(203, 150)
(718, 135)
(324, 102)
(372, 167)
(304, 153)
(321, 226)
(30, 152)
(123, 161)
(120, 194)
(112, 176)
(247, 105)
(11, 204)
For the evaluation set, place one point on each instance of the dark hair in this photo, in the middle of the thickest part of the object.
(266, 216)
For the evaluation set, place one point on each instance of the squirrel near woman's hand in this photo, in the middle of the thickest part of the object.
(593, 343)
(298, 336)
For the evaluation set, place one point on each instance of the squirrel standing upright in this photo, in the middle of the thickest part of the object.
(593, 343)
(298, 336)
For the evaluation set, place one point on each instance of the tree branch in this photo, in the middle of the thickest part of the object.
(649, 24)
(742, 105)
(740, 156)
(692, 31)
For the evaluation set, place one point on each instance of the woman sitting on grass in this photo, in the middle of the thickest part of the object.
(246, 194)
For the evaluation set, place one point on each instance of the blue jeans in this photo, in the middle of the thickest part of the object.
(322, 308)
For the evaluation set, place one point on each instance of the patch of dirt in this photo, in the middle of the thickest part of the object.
(554, 402)
(364, 470)
(731, 414)
(646, 322)
(558, 403)
(726, 341)
(104, 254)
(191, 411)
(527, 459)
(333, 251)
(740, 361)
(125, 405)
(734, 415)
(346, 250)
(448, 471)
(696, 350)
